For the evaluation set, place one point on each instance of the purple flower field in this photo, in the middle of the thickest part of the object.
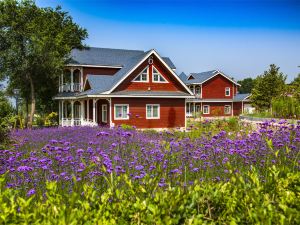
(89, 155)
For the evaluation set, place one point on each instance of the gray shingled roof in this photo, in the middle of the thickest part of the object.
(183, 76)
(199, 78)
(240, 97)
(99, 83)
(107, 57)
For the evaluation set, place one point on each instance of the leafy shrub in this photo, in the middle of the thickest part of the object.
(51, 119)
(286, 107)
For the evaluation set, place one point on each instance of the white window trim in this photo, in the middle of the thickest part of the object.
(227, 88)
(104, 121)
(230, 109)
(142, 81)
(158, 111)
(115, 112)
(208, 109)
(166, 81)
(199, 88)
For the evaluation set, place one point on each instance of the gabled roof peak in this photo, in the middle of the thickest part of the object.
(202, 77)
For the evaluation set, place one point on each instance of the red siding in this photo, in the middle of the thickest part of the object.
(237, 108)
(215, 88)
(217, 108)
(172, 112)
(173, 84)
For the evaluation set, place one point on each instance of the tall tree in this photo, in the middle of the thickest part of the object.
(267, 86)
(246, 85)
(295, 86)
(34, 46)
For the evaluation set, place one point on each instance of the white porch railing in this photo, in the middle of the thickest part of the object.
(67, 87)
(66, 122)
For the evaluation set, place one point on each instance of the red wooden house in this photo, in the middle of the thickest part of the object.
(113, 87)
(216, 94)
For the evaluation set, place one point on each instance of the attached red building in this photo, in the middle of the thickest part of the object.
(114, 86)
(216, 94)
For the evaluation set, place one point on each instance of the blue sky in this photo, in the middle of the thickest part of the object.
(240, 37)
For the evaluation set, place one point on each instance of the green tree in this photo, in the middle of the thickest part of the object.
(295, 86)
(6, 110)
(267, 86)
(247, 85)
(35, 44)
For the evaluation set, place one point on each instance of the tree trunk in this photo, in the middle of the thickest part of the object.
(26, 116)
(32, 95)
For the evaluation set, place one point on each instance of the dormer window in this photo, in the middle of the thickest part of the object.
(143, 76)
(227, 91)
(157, 77)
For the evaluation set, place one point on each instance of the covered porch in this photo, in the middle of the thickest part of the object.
(84, 112)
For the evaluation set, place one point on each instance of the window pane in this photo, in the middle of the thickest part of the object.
(124, 115)
(155, 111)
(118, 111)
(149, 111)
(161, 79)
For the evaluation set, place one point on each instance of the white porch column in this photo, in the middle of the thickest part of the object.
(201, 90)
(81, 111)
(94, 110)
(62, 114)
(194, 109)
(81, 79)
(72, 113)
(88, 110)
(194, 89)
(59, 112)
(62, 82)
(72, 80)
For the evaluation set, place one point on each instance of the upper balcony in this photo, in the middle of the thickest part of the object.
(71, 80)
(196, 90)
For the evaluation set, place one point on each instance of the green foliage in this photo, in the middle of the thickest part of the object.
(198, 128)
(35, 44)
(247, 85)
(51, 119)
(286, 107)
(6, 111)
(127, 127)
(295, 86)
(242, 200)
(268, 86)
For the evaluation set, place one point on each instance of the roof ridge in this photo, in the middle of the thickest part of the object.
(123, 49)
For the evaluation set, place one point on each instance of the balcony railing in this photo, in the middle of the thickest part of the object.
(69, 87)
(67, 122)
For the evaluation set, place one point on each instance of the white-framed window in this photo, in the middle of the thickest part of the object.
(198, 90)
(192, 89)
(227, 91)
(152, 111)
(206, 109)
(121, 111)
(157, 77)
(227, 109)
(104, 113)
(143, 76)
